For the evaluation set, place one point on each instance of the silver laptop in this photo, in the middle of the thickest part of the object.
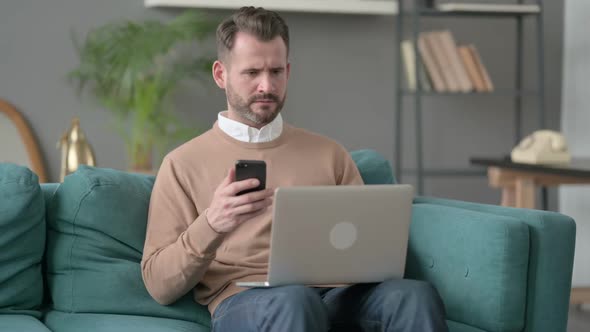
(325, 235)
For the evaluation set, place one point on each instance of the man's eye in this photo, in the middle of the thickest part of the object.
(251, 73)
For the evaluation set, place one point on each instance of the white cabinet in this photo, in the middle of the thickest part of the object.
(367, 7)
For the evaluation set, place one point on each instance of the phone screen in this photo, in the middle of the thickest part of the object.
(249, 169)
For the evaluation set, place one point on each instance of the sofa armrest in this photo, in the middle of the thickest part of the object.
(550, 262)
(477, 261)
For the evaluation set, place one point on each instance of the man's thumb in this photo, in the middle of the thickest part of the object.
(231, 176)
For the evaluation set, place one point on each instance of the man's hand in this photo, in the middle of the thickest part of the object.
(227, 211)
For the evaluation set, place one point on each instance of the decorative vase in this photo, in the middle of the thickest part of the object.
(75, 150)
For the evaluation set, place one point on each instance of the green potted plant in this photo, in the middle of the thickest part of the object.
(132, 68)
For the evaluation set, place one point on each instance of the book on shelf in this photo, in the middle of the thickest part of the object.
(409, 61)
(449, 47)
(482, 69)
(430, 64)
(424, 79)
(447, 66)
(472, 69)
(443, 62)
(488, 7)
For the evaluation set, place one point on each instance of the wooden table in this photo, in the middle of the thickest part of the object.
(519, 182)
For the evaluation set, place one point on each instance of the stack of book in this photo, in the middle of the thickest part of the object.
(445, 66)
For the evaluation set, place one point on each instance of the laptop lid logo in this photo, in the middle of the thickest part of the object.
(343, 235)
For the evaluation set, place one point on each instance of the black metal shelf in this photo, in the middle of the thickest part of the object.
(495, 93)
(415, 15)
(438, 13)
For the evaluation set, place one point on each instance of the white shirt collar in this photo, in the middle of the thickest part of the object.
(245, 133)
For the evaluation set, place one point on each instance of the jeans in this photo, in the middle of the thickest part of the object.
(393, 305)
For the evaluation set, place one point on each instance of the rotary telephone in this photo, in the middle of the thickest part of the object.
(542, 147)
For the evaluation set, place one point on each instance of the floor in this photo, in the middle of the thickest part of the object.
(579, 319)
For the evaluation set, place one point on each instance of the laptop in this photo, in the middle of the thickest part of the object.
(327, 235)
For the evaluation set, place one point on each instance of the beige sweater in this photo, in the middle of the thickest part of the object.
(183, 253)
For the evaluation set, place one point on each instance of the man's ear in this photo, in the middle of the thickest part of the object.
(288, 69)
(219, 73)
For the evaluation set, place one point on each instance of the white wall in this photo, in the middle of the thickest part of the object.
(9, 151)
(575, 200)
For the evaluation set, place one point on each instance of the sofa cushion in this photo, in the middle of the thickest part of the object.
(97, 222)
(64, 322)
(458, 327)
(22, 240)
(373, 167)
(21, 323)
(477, 261)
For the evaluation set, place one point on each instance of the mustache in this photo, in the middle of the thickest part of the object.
(265, 96)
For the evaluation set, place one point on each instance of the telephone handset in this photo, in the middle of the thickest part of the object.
(542, 147)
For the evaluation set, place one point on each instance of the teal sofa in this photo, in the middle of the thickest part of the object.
(70, 254)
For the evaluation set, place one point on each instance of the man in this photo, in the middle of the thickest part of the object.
(203, 238)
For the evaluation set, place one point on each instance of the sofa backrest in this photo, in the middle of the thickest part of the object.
(96, 230)
(22, 241)
(374, 168)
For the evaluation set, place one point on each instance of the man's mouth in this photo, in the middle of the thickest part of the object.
(265, 99)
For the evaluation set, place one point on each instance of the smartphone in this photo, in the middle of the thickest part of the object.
(251, 169)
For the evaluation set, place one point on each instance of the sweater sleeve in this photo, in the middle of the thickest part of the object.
(180, 244)
(349, 173)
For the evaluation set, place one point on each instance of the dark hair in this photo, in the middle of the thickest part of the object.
(259, 22)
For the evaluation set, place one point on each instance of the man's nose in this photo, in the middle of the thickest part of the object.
(266, 84)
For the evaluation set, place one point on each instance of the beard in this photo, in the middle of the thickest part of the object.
(244, 108)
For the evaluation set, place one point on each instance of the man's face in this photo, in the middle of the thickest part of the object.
(254, 76)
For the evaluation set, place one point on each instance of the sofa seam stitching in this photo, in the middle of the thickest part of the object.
(82, 198)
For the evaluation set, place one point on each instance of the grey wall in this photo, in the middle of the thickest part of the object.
(342, 84)
(576, 117)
